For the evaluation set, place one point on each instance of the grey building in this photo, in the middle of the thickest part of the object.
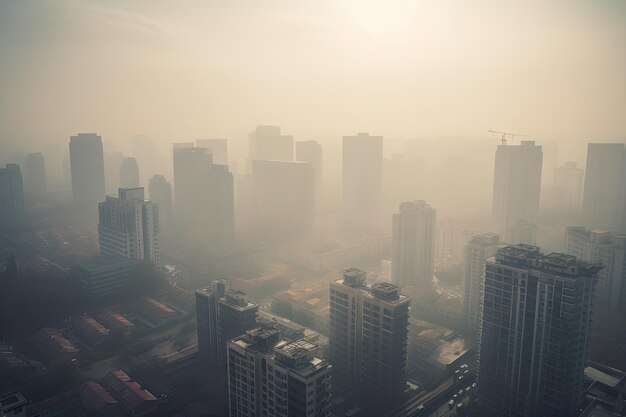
(222, 314)
(413, 244)
(476, 252)
(362, 176)
(604, 195)
(160, 192)
(368, 335)
(268, 143)
(516, 188)
(268, 376)
(533, 334)
(101, 277)
(603, 248)
(129, 226)
(129, 173)
(87, 172)
(12, 212)
(218, 148)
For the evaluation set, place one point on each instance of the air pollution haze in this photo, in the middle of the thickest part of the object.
(324, 208)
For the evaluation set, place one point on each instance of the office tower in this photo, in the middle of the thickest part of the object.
(516, 186)
(87, 170)
(203, 196)
(284, 199)
(112, 163)
(549, 164)
(160, 192)
(368, 335)
(413, 244)
(569, 180)
(222, 314)
(12, 213)
(129, 226)
(602, 248)
(267, 143)
(476, 251)
(218, 148)
(533, 334)
(268, 376)
(311, 151)
(148, 156)
(362, 173)
(604, 196)
(129, 173)
(35, 177)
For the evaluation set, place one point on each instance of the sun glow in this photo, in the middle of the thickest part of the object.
(383, 17)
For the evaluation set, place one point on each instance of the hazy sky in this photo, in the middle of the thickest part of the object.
(320, 68)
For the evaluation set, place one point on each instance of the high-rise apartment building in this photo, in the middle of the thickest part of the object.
(284, 199)
(569, 181)
(129, 173)
(222, 314)
(516, 186)
(218, 148)
(268, 376)
(604, 196)
(362, 173)
(368, 335)
(203, 196)
(12, 212)
(35, 177)
(601, 247)
(160, 192)
(311, 151)
(129, 226)
(477, 250)
(87, 171)
(533, 334)
(413, 244)
(268, 143)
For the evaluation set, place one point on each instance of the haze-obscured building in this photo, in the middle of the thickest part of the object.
(218, 148)
(12, 210)
(35, 177)
(160, 192)
(129, 173)
(268, 143)
(87, 168)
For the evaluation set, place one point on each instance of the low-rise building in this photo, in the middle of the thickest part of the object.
(54, 345)
(137, 400)
(102, 277)
(90, 329)
(156, 312)
(115, 321)
(13, 404)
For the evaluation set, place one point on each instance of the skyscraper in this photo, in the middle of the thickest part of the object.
(129, 226)
(533, 335)
(12, 214)
(204, 196)
(87, 170)
(362, 173)
(569, 180)
(368, 335)
(516, 186)
(601, 247)
(268, 143)
(604, 196)
(222, 314)
(284, 199)
(218, 148)
(160, 192)
(477, 250)
(311, 151)
(129, 173)
(35, 177)
(268, 376)
(413, 244)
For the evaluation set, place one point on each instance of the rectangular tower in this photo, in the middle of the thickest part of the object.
(533, 335)
(87, 171)
(516, 186)
(12, 211)
(362, 173)
(413, 244)
(129, 226)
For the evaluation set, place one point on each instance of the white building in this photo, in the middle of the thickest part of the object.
(268, 376)
(516, 186)
(413, 244)
(601, 247)
(129, 226)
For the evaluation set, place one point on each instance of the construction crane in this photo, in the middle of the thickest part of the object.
(505, 134)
